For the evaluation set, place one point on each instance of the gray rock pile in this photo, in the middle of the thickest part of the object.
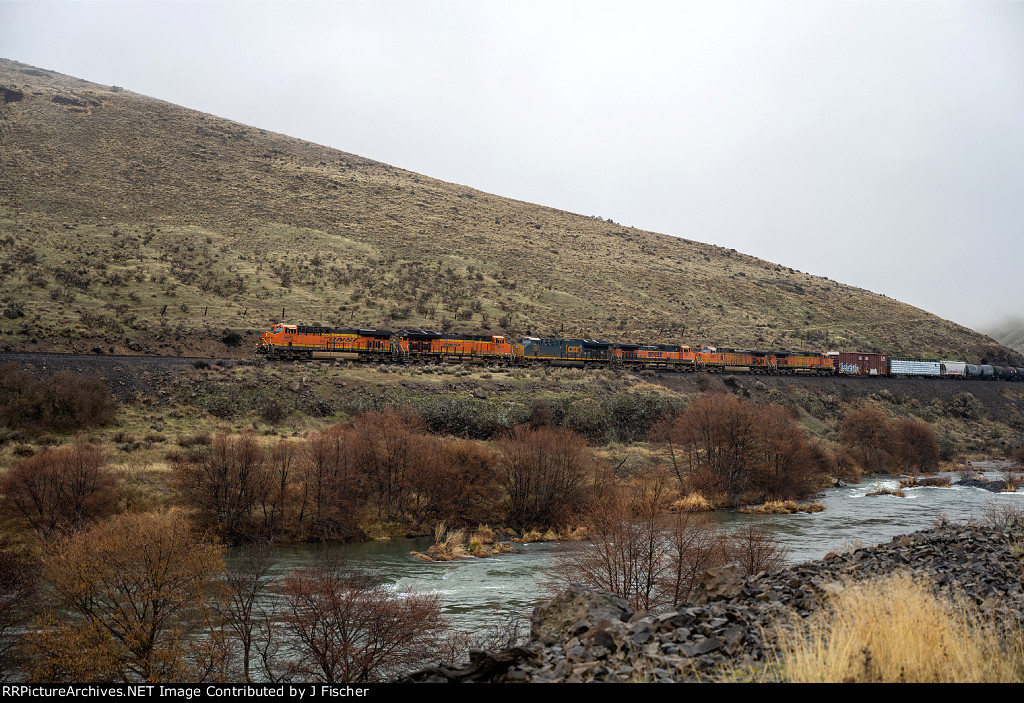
(586, 635)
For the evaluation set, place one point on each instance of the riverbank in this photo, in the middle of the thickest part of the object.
(583, 635)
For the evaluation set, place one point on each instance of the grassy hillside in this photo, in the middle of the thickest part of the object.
(1009, 331)
(131, 224)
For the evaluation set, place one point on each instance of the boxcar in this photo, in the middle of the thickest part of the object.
(953, 369)
(859, 363)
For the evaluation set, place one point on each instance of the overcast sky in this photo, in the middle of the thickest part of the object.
(880, 144)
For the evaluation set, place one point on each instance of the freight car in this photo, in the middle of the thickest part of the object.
(914, 367)
(859, 363)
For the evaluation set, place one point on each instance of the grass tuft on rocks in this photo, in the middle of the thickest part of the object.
(895, 629)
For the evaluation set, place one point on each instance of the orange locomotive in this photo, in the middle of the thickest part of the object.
(770, 362)
(671, 357)
(418, 345)
(285, 341)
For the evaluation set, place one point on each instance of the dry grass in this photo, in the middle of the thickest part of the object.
(483, 534)
(530, 536)
(771, 507)
(573, 534)
(920, 481)
(880, 491)
(567, 534)
(895, 629)
(448, 545)
(782, 507)
(693, 503)
(452, 544)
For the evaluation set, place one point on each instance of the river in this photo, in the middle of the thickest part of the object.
(478, 593)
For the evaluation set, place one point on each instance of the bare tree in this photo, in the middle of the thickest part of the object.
(635, 549)
(756, 549)
(332, 481)
(866, 435)
(19, 602)
(347, 627)
(914, 446)
(694, 546)
(59, 490)
(247, 580)
(722, 445)
(226, 483)
(136, 588)
(543, 471)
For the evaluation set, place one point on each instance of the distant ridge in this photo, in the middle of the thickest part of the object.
(134, 225)
(1008, 331)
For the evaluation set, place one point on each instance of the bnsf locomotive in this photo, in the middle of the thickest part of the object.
(286, 341)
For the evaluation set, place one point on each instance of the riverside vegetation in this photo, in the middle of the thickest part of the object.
(85, 512)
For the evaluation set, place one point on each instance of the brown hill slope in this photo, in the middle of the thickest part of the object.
(128, 222)
(1008, 331)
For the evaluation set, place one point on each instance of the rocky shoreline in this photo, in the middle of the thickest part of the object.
(584, 635)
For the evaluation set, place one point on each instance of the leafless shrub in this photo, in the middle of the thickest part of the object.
(19, 602)
(636, 550)
(332, 486)
(866, 437)
(245, 609)
(914, 446)
(227, 484)
(878, 445)
(998, 513)
(543, 471)
(723, 445)
(756, 549)
(348, 628)
(65, 402)
(59, 490)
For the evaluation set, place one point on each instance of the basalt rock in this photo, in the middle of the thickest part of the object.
(589, 635)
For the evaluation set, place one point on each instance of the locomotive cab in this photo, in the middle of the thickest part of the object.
(280, 335)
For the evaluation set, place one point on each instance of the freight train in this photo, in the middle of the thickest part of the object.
(293, 342)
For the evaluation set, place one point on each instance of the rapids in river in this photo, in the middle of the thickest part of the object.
(479, 593)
